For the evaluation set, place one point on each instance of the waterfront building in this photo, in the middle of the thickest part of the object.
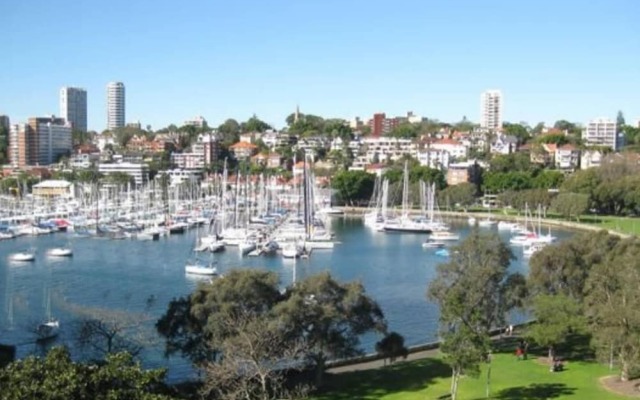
(603, 132)
(115, 105)
(41, 141)
(139, 171)
(53, 189)
(73, 107)
(491, 110)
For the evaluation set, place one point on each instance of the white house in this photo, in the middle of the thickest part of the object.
(433, 158)
(504, 144)
(567, 157)
(590, 158)
(453, 147)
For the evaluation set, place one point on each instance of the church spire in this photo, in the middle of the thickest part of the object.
(296, 116)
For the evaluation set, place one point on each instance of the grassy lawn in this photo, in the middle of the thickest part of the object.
(511, 379)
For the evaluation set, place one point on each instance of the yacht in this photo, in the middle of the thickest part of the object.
(432, 244)
(532, 248)
(444, 235)
(198, 268)
(291, 250)
(509, 226)
(247, 246)
(23, 256)
(60, 252)
(523, 238)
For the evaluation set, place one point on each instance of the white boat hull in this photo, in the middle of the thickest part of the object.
(22, 257)
(60, 252)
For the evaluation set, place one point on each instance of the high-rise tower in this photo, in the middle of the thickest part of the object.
(73, 107)
(115, 105)
(491, 110)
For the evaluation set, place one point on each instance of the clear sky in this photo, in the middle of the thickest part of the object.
(552, 59)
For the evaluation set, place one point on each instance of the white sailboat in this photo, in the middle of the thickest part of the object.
(51, 327)
(63, 251)
(23, 256)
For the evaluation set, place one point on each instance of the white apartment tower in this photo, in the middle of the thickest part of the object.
(491, 110)
(115, 105)
(603, 132)
(73, 107)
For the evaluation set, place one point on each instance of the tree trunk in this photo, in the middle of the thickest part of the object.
(454, 383)
(550, 354)
(488, 391)
(610, 357)
(624, 371)
(320, 371)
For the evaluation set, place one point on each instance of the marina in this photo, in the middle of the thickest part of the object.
(141, 277)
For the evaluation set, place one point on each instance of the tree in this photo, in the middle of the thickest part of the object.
(253, 354)
(405, 131)
(554, 138)
(569, 127)
(56, 377)
(254, 124)
(392, 346)
(620, 120)
(559, 270)
(229, 132)
(520, 131)
(353, 187)
(463, 195)
(571, 205)
(474, 291)
(330, 317)
(510, 162)
(548, 179)
(612, 304)
(556, 316)
(193, 324)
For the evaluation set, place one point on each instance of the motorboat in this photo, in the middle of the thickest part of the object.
(442, 252)
(509, 226)
(48, 330)
(6, 235)
(271, 247)
(291, 250)
(444, 235)
(247, 246)
(23, 256)
(533, 248)
(198, 268)
(60, 252)
(331, 211)
(178, 228)
(486, 223)
(432, 244)
(523, 238)
(471, 221)
(216, 247)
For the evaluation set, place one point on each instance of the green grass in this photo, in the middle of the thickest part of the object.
(511, 379)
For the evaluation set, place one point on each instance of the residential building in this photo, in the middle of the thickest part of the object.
(356, 123)
(275, 139)
(603, 132)
(73, 107)
(139, 172)
(491, 110)
(188, 161)
(567, 158)
(41, 141)
(115, 105)
(590, 158)
(381, 125)
(134, 125)
(243, 150)
(504, 144)
(178, 176)
(198, 122)
(204, 152)
(434, 158)
(413, 118)
(455, 149)
(462, 172)
(5, 122)
(543, 154)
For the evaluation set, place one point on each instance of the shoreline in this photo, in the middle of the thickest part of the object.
(353, 212)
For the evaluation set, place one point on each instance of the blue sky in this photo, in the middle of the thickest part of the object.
(342, 58)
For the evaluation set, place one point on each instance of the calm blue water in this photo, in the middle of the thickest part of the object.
(142, 277)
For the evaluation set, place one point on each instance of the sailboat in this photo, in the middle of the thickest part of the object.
(197, 267)
(51, 327)
(405, 224)
(487, 222)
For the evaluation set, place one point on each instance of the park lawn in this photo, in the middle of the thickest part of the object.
(511, 379)
(627, 225)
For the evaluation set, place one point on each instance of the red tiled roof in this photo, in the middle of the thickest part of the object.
(567, 147)
(243, 145)
(448, 141)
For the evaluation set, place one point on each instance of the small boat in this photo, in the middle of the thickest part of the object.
(533, 248)
(291, 250)
(60, 252)
(444, 235)
(198, 268)
(523, 238)
(216, 247)
(471, 221)
(331, 211)
(6, 235)
(247, 246)
(442, 252)
(48, 330)
(178, 228)
(487, 223)
(432, 244)
(271, 247)
(23, 256)
(509, 226)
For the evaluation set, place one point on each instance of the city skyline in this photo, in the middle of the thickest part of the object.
(333, 59)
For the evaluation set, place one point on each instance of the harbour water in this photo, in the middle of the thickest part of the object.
(142, 277)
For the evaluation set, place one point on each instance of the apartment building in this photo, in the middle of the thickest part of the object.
(603, 132)
(491, 110)
(41, 141)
